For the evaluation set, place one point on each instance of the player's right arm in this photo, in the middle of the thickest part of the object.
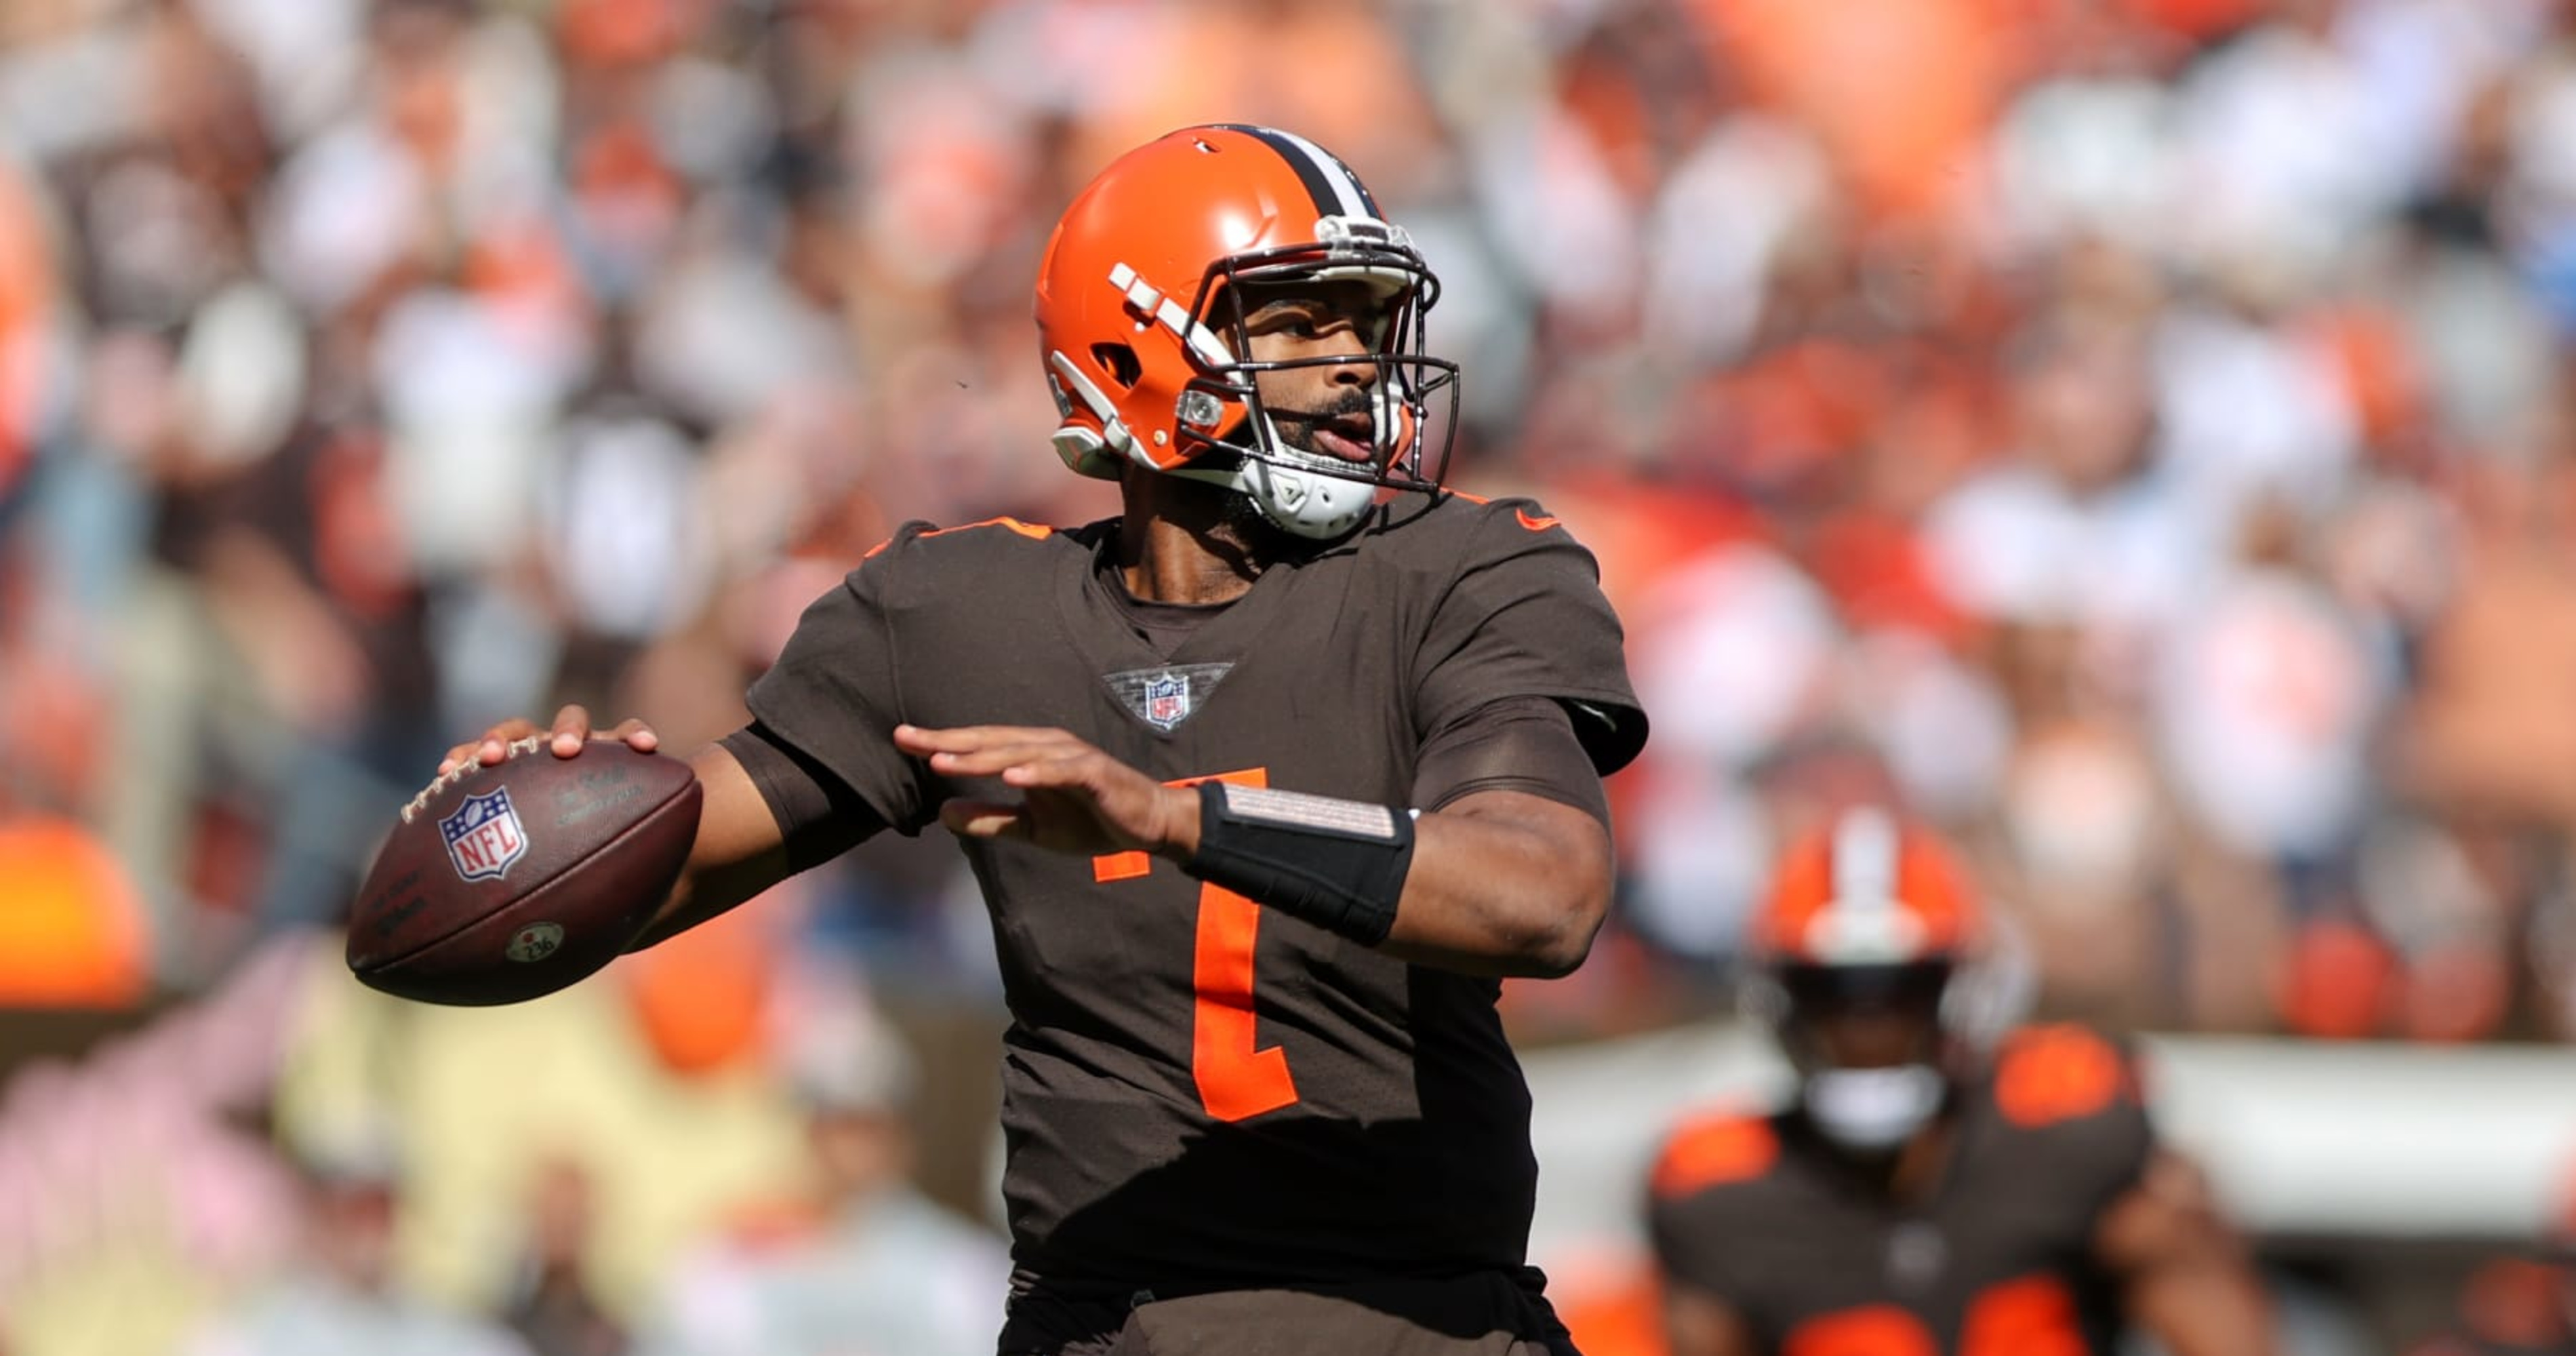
(740, 851)
(1697, 1323)
(2183, 1275)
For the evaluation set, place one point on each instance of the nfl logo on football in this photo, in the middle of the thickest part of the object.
(483, 836)
(1167, 700)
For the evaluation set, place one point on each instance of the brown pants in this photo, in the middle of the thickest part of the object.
(1490, 1314)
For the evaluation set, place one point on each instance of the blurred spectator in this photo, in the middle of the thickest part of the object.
(339, 1294)
(865, 1264)
(554, 1309)
(2519, 1302)
(139, 1168)
(2491, 735)
(2266, 709)
(2509, 1306)
(2072, 526)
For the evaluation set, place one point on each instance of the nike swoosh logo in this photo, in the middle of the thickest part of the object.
(1540, 524)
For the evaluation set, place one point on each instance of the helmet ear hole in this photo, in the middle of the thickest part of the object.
(1119, 362)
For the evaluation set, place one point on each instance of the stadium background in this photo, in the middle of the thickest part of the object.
(2138, 432)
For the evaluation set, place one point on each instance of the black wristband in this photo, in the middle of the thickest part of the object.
(1339, 864)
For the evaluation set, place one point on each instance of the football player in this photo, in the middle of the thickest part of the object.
(1268, 782)
(1924, 1194)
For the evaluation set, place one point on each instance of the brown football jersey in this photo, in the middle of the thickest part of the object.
(1197, 1091)
(1997, 1261)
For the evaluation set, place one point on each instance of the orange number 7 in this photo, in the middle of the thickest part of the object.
(1236, 1081)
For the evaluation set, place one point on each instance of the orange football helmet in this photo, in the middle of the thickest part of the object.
(1866, 890)
(1872, 916)
(1140, 322)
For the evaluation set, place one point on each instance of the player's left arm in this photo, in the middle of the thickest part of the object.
(1508, 873)
(1503, 883)
(1512, 864)
(2183, 1274)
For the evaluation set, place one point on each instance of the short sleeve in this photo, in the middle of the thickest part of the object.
(2073, 1094)
(1523, 744)
(1524, 616)
(818, 816)
(834, 696)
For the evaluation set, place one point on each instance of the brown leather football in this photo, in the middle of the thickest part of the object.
(505, 883)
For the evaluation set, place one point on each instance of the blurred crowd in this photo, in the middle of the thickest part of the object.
(2139, 434)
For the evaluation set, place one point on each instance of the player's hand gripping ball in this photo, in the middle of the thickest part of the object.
(506, 883)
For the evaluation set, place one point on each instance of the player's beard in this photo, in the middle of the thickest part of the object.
(1245, 521)
(1229, 518)
(1296, 429)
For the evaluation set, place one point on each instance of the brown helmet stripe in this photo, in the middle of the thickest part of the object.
(1337, 192)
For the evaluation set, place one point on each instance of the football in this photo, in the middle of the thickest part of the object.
(504, 883)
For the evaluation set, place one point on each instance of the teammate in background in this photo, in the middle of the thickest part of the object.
(1268, 782)
(1925, 1196)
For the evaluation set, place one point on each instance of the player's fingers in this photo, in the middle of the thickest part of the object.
(1118, 800)
(1063, 769)
(489, 748)
(1080, 768)
(995, 759)
(636, 735)
(915, 739)
(571, 731)
(984, 819)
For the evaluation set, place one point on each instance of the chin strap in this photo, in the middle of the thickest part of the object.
(1316, 505)
(1306, 504)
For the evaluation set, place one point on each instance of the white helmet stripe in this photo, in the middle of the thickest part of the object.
(1144, 296)
(1331, 171)
(1211, 350)
(1865, 847)
(1861, 924)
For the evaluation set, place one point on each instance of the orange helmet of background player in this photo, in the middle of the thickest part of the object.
(1140, 323)
(1867, 889)
(1871, 915)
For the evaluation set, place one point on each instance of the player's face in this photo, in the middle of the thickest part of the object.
(1880, 1018)
(1324, 407)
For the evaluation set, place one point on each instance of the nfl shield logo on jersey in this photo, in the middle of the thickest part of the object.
(483, 836)
(1164, 697)
(1167, 700)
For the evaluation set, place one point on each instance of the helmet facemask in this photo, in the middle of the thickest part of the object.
(1230, 436)
(1868, 1100)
